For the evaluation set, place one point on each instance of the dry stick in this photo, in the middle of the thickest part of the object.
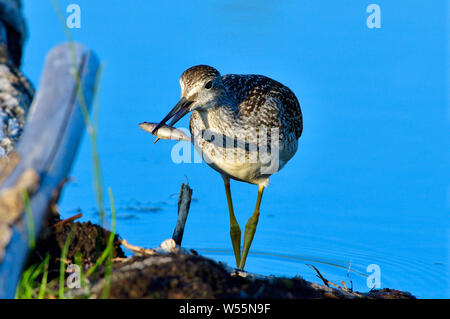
(348, 276)
(184, 201)
(325, 281)
(136, 249)
(70, 219)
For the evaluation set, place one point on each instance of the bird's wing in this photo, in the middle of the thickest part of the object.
(265, 102)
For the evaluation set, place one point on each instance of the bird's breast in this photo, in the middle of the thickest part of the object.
(236, 151)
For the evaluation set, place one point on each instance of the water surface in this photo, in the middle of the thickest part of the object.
(369, 184)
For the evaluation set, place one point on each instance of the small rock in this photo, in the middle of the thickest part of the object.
(168, 245)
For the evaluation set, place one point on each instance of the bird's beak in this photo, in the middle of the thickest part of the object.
(179, 110)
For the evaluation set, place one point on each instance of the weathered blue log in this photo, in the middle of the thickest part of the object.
(44, 155)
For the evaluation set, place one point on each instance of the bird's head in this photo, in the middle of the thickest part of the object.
(202, 86)
(201, 89)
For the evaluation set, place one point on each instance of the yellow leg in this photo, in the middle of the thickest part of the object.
(235, 231)
(250, 228)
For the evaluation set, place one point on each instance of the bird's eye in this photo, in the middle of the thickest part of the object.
(208, 85)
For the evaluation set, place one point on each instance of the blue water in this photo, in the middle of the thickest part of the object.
(369, 183)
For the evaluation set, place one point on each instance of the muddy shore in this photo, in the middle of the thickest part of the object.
(178, 273)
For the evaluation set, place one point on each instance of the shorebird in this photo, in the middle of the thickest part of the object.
(246, 127)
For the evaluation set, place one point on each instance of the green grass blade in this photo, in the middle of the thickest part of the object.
(62, 264)
(43, 286)
(109, 246)
(98, 187)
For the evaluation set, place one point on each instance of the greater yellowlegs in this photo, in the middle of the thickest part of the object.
(246, 127)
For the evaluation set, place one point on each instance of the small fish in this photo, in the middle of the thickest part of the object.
(165, 132)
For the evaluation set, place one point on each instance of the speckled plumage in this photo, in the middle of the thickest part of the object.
(245, 126)
(242, 111)
(265, 102)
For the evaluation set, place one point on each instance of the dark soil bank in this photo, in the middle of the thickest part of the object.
(190, 276)
(86, 240)
(174, 275)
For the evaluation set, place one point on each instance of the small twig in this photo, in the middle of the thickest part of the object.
(184, 202)
(333, 284)
(137, 249)
(68, 220)
(325, 281)
(348, 276)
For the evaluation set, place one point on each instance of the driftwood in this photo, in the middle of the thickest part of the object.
(184, 201)
(44, 155)
(173, 244)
